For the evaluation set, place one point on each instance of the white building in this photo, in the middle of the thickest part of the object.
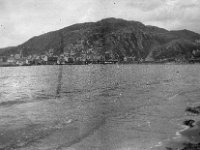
(44, 58)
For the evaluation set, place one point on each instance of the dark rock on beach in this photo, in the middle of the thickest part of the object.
(190, 137)
(192, 133)
(187, 146)
(190, 146)
(194, 110)
(189, 123)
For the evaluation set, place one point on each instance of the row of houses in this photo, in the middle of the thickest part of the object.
(36, 60)
(69, 57)
(61, 60)
(49, 60)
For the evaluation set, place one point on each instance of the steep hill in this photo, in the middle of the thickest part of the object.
(117, 36)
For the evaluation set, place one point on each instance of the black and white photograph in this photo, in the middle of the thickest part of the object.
(99, 74)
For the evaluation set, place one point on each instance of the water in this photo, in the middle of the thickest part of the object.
(95, 107)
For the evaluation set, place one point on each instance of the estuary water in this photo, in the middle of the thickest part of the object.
(95, 107)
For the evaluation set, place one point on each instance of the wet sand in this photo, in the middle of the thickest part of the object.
(188, 138)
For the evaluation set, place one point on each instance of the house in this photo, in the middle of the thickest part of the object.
(44, 58)
(20, 62)
(196, 53)
(70, 60)
(11, 60)
(27, 62)
(52, 60)
(66, 58)
(78, 59)
(61, 60)
(129, 59)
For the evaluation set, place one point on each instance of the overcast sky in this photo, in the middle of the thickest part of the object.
(23, 19)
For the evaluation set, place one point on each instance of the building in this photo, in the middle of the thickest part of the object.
(11, 60)
(28, 62)
(196, 53)
(52, 60)
(44, 58)
(66, 58)
(20, 62)
(61, 61)
(70, 60)
(129, 59)
(78, 59)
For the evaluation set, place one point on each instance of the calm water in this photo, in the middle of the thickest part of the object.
(95, 107)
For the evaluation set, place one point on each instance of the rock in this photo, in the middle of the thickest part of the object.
(189, 123)
(194, 110)
(191, 146)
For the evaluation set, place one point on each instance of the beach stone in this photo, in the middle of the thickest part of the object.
(194, 110)
(190, 146)
(189, 123)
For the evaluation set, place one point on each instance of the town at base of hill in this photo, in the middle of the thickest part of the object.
(109, 40)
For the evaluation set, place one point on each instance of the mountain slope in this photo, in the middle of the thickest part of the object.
(115, 36)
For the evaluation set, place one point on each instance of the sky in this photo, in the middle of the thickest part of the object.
(22, 19)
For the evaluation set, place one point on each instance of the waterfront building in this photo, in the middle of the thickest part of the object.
(70, 60)
(11, 60)
(44, 58)
(52, 60)
(20, 62)
(27, 62)
(78, 59)
(129, 59)
(66, 58)
(196, 53)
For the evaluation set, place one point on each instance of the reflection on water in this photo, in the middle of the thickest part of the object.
(59, 81)
(102, 107)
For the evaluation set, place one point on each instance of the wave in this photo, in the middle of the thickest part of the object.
(10, 103)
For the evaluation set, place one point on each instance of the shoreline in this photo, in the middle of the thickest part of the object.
(187, 138)
(70, 64)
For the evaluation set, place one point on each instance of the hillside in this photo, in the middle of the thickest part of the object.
(115, 36)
